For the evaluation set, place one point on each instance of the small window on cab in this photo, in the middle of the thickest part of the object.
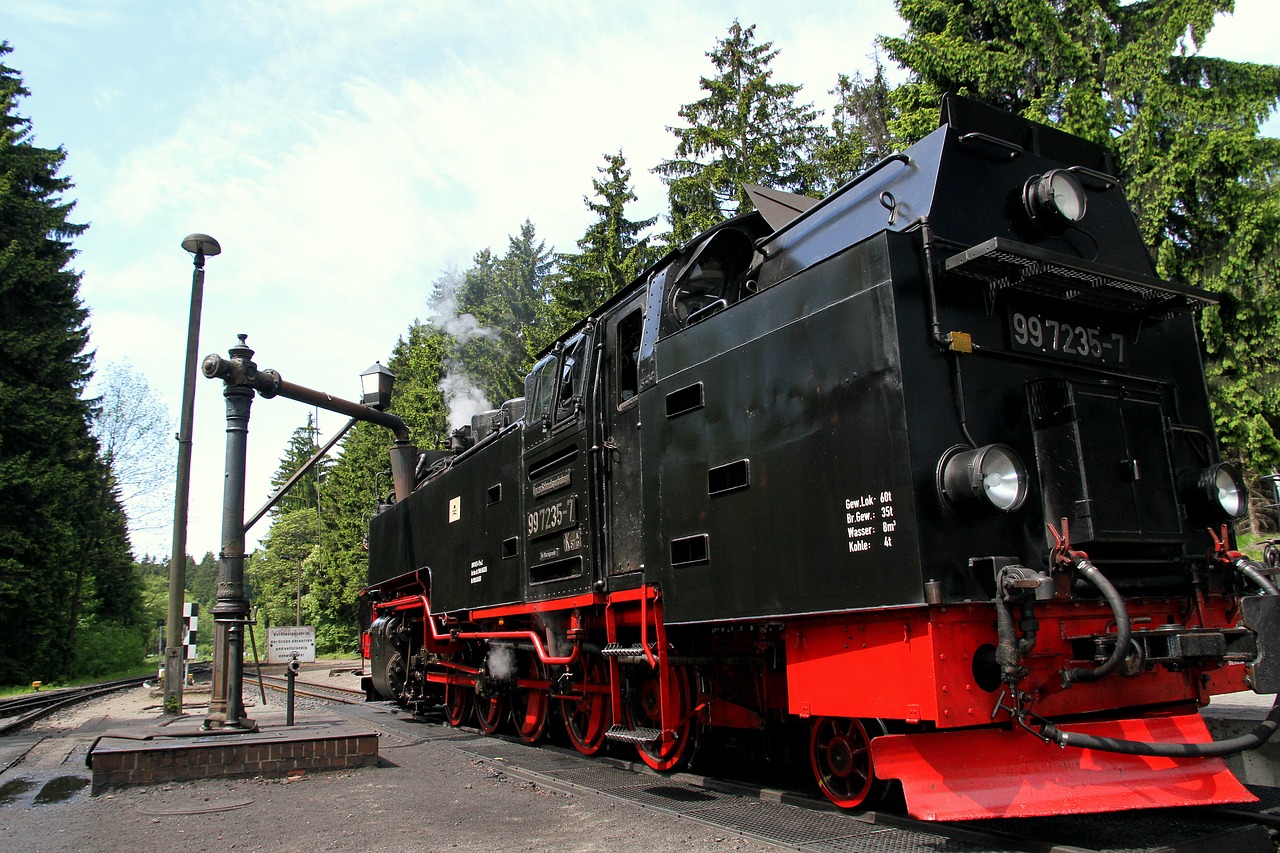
(573, 370)
(539, 388)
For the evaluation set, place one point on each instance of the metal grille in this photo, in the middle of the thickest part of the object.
(889, 840)
(1005, 263)
(782, 824)
(820, 830)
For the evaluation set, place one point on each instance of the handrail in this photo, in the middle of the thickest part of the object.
(892, 158)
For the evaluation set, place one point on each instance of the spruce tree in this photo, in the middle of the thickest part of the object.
(505, 295)
(57, 504)
(611, 254)
(305, 492)
(859, 135)
(747, 130)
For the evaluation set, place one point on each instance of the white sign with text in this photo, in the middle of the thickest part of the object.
(284, 643)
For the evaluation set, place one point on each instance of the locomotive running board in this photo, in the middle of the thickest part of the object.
(963, 775)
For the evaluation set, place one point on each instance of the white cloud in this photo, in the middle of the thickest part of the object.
(345, 153)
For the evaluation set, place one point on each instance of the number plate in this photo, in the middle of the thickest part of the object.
(1062, 337)
(553, 517)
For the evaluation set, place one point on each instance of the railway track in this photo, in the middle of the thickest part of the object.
(23, 710)
(795, 817)
(308, 689)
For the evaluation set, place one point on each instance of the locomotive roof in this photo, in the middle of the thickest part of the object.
(938, 179)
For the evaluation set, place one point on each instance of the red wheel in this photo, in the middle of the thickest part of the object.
(645, 711)
(530, 705)
(840, 752)
(489, 713)
(586, 719)
(457, 701)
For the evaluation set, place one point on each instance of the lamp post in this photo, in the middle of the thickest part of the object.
(201, 246)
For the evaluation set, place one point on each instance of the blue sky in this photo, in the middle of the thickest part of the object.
(346, 154)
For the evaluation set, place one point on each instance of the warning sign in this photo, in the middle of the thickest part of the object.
(284, 643)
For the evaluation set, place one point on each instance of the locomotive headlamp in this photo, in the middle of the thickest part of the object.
(992, 477)
(1216, 493)
(1055, 199)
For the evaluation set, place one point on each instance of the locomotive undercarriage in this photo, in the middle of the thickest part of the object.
(604, 668)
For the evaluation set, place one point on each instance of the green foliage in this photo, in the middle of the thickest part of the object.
(64, 551)
(488, 314)
(281, 572)
(202, 580)
(103, 648)
(305, 492)
(611, 254)
(1184, 128)
(747, 130)
(859, 134)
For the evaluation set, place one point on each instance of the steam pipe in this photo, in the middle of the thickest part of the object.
(1124, 629)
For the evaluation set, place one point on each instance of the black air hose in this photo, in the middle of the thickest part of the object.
(1254, 739)
(1124, 632)
(1255, 573)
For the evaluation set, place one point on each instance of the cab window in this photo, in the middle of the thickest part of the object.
(539, 390)
(573, 370)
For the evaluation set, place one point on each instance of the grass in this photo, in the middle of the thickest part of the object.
(149, 668)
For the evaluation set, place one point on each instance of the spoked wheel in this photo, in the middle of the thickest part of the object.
(531, 706)
(840, 752)
(457, 702)
(644, 710)
(489, 713)
(586, 719)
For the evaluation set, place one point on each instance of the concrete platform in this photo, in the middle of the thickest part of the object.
(1234, 714)
(178, 750)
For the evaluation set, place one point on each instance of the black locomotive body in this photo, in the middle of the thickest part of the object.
(920, 466)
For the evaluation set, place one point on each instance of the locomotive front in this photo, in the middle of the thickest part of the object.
(1067, 523)
(927, 466)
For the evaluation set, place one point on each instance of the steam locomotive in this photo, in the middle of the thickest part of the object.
(925, 470)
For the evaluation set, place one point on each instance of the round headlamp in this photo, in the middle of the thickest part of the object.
(992, 477)
(1055, 200)
(1216, 493)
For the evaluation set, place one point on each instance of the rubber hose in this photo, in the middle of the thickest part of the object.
(1254, 739)
(1255, 573)
(1124, 632)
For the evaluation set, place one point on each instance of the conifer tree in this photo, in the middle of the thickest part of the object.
(859, 135)
(303, 444)
(57, 504)
(505, 295)
(747, 130)
(611, 254)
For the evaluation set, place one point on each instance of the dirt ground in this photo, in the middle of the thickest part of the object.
(425, 795)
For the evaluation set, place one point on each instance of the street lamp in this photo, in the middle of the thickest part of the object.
(375, 384)
(201, 246)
